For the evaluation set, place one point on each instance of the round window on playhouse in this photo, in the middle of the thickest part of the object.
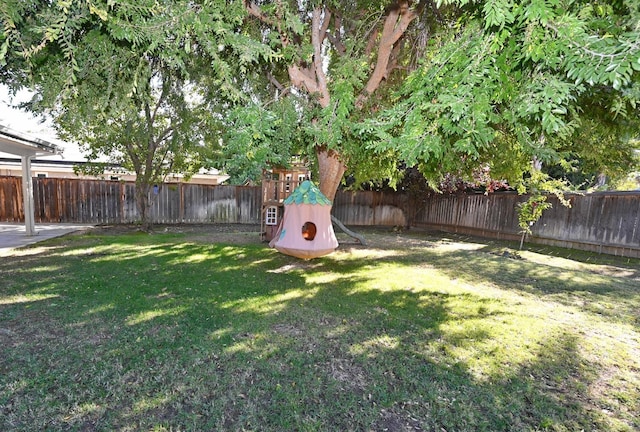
(309, 231)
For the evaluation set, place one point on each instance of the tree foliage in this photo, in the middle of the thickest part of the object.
(456, 86)
(338, 60)
(506, 82)
(257, 136)
(450, 87)
(142, 83)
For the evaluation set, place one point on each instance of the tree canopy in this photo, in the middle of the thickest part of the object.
(138, 82)
(457, 86)
(508, 82)
(448, 86)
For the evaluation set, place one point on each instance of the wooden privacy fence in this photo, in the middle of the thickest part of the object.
(371, 208)
(607, 222)
(113, 202)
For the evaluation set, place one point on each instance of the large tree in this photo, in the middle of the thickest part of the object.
(452, 86)
(513, 85)
(337, 57)
(162, 126)
(448, 86)
(141, 83)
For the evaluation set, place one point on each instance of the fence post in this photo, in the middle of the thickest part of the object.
(181, 208)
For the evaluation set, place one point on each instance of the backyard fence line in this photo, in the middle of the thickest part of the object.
(58, 200)
(604, 222)
(607, 222)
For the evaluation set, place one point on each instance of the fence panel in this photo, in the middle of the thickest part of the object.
(598, 219)
(111, 202)
(606, 222)
(195, 199)
(370, 208)
(249, 204)
(11, 209)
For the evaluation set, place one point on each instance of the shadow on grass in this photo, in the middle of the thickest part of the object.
(609, 289)
(135, 333)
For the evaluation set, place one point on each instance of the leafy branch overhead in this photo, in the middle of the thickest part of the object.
(448, 86)
(509, 81)
(139, 83)
(339, 59)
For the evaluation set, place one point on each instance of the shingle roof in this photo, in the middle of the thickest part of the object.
(307, 193)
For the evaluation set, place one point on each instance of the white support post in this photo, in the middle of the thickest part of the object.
(27, 196)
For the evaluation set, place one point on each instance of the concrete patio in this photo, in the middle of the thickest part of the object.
(13, 235)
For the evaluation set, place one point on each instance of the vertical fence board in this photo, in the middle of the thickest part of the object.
(604, 222)
(11, 209)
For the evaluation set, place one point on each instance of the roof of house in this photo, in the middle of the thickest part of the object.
(307, 193)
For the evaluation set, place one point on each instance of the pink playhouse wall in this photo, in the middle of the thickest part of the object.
(290, 239)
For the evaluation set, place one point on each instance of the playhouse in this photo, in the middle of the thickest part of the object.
(305, 230)
(278, 183)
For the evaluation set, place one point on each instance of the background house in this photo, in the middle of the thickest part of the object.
(65, 169)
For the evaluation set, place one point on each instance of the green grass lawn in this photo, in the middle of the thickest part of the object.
(419, 331)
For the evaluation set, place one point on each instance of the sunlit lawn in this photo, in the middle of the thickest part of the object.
(160, 332)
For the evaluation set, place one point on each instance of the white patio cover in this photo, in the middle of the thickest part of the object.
(17, 143)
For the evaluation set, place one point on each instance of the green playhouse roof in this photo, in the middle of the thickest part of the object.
(307, 193)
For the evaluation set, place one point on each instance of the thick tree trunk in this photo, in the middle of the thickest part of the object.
(309, 76)
(143, 203)
(330, 169)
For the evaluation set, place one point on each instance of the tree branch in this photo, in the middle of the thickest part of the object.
(255, 11)
(393, 57)
(277, 84)
(371, 42)
(586, 49)
(335, 39)
(325, 25)
(166, 84)
(303, 78)
(395, 25)
(317, 36)
(163, 136)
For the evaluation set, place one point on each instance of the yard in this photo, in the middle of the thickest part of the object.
(192, 329)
